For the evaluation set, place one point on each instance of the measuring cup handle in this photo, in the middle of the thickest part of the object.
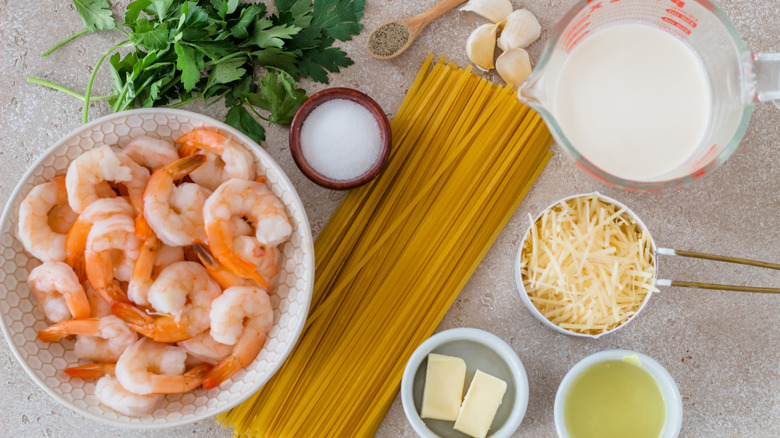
(766, 70)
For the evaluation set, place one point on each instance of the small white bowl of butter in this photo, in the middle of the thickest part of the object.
(485, 356)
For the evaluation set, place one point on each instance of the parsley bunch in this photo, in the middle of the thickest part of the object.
(182, 51)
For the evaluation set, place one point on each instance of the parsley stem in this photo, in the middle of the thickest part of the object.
(254, 111)
(92, 78)
(68, 91)
(226, 58)
(184, 102)
(63, 42)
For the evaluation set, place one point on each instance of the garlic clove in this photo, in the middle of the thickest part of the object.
(481, 45)
(514, 66)
(521, 29)
(494, 10)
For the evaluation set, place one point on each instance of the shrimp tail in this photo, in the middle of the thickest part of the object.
(113, 293)
(201, 139)
(70, 327)
(132, 315)
(92, 370)
(142, 227)
(138, 288)
(204, 255)
(75, 244)
(53, 333)
(166, 329)
(78, 304)
(161, 329)
(222, 371)
(215, 269)
(165, 384)
(185, 166)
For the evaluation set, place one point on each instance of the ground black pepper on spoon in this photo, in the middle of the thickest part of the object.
(391, 39)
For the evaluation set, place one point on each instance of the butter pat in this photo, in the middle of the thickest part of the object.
(480, 405)
(443, 387)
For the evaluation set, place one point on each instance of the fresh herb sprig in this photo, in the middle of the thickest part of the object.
(183, 51)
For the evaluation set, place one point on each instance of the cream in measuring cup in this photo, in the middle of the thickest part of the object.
(649, 94)
(634, 100)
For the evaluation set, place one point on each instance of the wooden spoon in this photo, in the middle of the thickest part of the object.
(415, 25)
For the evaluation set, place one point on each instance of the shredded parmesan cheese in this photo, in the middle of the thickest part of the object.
(587, 265)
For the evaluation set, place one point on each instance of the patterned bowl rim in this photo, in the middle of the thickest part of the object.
(305, 231)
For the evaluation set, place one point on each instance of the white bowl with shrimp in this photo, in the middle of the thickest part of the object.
(22, 318)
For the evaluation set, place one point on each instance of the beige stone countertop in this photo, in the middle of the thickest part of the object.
(722, 348)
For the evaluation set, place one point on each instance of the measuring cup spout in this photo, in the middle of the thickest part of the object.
(529, 91)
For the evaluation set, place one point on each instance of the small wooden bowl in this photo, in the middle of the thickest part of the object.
(309, 106)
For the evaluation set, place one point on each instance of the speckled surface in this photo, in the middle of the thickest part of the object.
(722, 348)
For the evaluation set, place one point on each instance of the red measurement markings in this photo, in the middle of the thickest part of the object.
(682, 17)
(707, 157)
(677, 25)
(577, 40)
(573, 33)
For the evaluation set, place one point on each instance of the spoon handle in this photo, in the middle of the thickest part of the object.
(719, 258)
(693, 284)
(435, 12)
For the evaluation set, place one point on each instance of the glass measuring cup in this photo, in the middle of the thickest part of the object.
(737, 78)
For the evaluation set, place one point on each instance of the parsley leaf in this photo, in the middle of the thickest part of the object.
(187, 63)
(239, 118)
(281, 99)
(338, 19)
(226, 72)
(267, 35)
(246, 18)
(317, 63)
(95, 14)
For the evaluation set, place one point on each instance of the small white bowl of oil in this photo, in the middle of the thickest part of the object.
(618, 393)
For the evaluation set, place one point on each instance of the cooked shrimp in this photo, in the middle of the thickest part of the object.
(217, 271)
(138, 288)
(111, 245)
(267, 260)
(58, 291)
(183, 293)
(242, 317)
(168, 255)
(150, 152)
(89, 171)
(98, 305)
(76, 242)
(226, 158)
(252, 200)
(240, 227)
(175, 213)
(145, 368)
(153, 254)
(43, 216)
(204, 348)
(101, 339)
(111, 393)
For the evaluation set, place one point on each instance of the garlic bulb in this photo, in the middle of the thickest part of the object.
(481, 45)
(514, 65)
(494, 10)
(521, 29)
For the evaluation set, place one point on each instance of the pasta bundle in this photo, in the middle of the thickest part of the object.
(397, 252)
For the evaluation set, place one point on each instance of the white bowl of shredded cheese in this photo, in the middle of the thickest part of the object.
(587, 265)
